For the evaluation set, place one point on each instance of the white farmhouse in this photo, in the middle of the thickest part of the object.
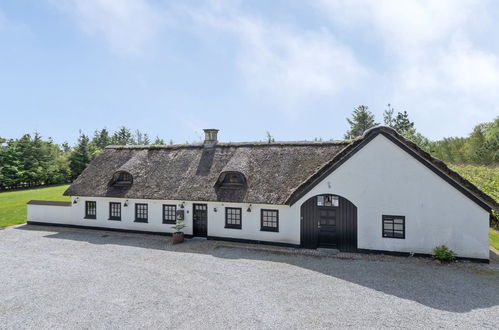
(378, 193)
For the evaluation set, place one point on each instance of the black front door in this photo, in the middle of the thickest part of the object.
(200, 220)
(327, 227)
(329, 222)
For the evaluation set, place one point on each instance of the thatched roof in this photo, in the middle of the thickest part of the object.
(190, 172)
(276, 173)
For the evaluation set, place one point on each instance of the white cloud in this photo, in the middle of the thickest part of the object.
(284, 64)
(129, 26)
(437, 71)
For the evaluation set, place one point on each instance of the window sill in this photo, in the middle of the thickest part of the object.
(274, 230)
(140, 220)
(169, 222)
(92, 218)
(394, 237)
(229, 227)
(114, 219)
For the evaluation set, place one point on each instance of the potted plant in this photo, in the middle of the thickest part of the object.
(178, 235)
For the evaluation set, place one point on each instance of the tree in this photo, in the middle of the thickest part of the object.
(81, 156)
(141, 138)
(122, 137)
(101, 138)
(159, 141)
(362, 120)
(270, 138)
(400, 122)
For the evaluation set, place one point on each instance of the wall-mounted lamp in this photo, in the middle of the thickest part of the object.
(75, 201)
(249, 208)
(182, 205)
(126, 203)
(214, 209)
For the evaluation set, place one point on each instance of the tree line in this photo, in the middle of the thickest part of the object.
(32, 161)
(480, 147)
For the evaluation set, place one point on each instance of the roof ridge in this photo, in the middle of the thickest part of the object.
(234, 144)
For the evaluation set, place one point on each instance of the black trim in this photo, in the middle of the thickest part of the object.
(37, 223)
(265, 228)
(138, 217)
(321, 177)
(418, 255)
(111, 217)
(250, 241)
(87, 209)
(174, 221)
(234, 226)
(392, 218)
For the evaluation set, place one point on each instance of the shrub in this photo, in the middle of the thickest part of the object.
(443, 253)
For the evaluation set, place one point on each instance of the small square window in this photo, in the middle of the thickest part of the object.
(394, 226)
(115, 211)
(140, 212)
(170, 214)
(90, 210)
(233, 217)
(269, 220)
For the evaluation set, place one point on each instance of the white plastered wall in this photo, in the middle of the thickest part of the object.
(381, 178)
(289, 226)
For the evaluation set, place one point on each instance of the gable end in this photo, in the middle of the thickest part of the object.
(335, 163)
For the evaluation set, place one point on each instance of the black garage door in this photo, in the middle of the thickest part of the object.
(329, 221)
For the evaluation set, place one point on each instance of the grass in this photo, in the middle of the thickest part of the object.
(13, 203)
(494, 238)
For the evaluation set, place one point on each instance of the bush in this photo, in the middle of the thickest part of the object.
(443, 253)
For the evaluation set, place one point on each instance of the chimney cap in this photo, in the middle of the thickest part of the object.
(210, 136)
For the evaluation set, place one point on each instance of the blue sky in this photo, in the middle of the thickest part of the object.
(293, 68)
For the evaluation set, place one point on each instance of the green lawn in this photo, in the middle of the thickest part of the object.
(13, 203)
(494, 238)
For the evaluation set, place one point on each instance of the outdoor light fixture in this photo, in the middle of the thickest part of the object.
(126, 203)
(214, 209)
(182, 205)
(75, 201)
(249, 208)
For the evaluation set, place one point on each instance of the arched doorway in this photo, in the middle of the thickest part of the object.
(329, 221)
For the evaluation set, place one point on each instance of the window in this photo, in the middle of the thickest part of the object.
(234, 180)
(170, 214)
(328, 201)
(90, 210)
(122, 178)
(140, 212)
(233, 217)
(394, 226)
(269, 220)
(114, 211)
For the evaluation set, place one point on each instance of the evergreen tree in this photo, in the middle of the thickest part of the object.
(80, 157)
(159, 141)
(101, 138)
(400, 122)
(362, 120)
(122, 137)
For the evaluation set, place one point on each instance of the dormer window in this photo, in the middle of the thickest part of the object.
(231, 180)
(122, 178)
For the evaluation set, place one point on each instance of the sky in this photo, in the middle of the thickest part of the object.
(296, 69)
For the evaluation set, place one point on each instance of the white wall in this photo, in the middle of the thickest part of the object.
(382, 179)
(289, 227)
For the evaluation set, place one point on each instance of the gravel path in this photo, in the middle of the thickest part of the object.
(72, 278)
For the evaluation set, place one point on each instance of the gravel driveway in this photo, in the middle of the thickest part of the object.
(71, 278)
